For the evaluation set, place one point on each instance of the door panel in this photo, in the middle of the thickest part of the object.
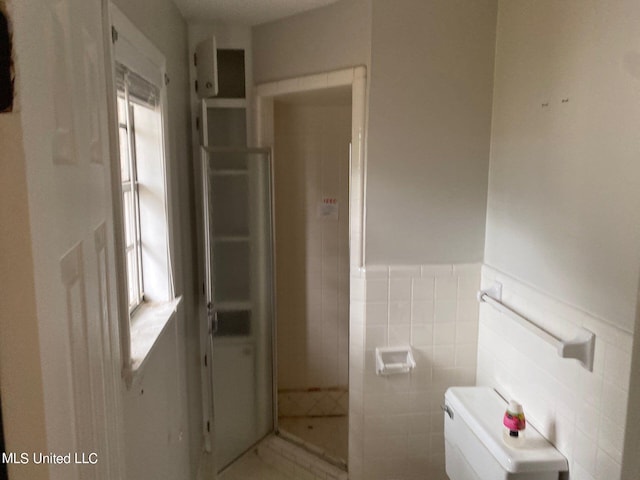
(240, 294)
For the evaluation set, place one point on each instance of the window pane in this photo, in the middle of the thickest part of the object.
(131, 270)
(127, 207)
(121, 108)
(147, 139)
(124, 154)
(140, 136)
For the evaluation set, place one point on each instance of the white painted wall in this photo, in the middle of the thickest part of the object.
(429, 128)
(164, 409)
(158, 442)
(330, 38)
(564, 193)
(431, 74)
(311, 162)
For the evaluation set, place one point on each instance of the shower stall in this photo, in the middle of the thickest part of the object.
(312, 134)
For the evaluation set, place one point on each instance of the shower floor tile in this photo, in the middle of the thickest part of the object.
(331, 434)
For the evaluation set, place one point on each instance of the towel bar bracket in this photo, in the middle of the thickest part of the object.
(494, 291)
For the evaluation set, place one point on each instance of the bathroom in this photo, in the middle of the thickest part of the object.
(499, 145)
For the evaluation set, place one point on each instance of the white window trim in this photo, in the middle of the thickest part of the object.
(140, 331)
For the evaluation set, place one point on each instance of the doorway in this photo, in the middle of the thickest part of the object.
(268, 98)
(312, 135)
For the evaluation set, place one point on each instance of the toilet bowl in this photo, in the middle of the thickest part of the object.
(475, 448)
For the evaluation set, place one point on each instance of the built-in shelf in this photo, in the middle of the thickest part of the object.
(224, 122)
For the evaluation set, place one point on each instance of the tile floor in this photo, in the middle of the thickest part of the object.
(329, 434)
(298, 462)
(252, 467)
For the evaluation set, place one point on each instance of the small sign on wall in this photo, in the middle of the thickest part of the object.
(328, 208)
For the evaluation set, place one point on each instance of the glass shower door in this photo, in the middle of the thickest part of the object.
(238, 249)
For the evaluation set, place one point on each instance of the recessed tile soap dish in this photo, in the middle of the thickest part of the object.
(394, 360)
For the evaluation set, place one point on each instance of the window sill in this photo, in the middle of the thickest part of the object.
(147, 325)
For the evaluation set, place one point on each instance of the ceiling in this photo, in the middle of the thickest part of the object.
(245, 12)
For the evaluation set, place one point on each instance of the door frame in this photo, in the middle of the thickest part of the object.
(264, 97)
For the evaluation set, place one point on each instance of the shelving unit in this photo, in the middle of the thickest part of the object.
(225, 129)
(236, 186)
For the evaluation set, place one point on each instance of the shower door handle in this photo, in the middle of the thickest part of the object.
(213, 319)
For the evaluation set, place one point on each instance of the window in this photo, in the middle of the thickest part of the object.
(137, 102)
(145, 253)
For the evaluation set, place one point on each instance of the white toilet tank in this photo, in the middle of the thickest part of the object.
(474, 445)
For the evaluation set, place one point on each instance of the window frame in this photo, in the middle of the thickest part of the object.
(140, 327)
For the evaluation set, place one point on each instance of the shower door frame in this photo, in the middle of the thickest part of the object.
(207, 328)
(264, 137)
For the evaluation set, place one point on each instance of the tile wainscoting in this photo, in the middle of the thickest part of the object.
(583, 413)
(396, 424)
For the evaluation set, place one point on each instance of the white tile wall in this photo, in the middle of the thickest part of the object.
(311, 159)
(583, 413)
(396, 424)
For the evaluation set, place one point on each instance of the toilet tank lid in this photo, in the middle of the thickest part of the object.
(482, 409)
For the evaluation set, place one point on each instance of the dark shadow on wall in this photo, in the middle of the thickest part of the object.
(6, 66)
